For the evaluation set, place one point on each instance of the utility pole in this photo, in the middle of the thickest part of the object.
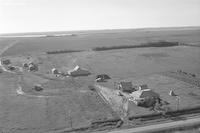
(125, 109)
(70, 119)
(171, 93)
(178, 100)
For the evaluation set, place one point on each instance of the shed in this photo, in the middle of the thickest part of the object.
(25, 65)
(11, 68)
(77, 71)
(102, 77)
(37, 88)
(33, 67)
(54, 71)
(6, 62)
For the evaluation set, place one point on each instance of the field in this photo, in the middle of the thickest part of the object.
(68, 103)
(87, 40)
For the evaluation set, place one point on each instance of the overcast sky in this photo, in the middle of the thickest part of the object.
(64, 15)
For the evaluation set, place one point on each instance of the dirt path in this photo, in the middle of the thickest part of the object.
(183, 77)
(116, 102)
(2, 50)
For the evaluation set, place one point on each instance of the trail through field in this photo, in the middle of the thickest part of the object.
(183, 77)
(3, 49)
(116, 102)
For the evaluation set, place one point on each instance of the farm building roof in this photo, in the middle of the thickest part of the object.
(144, 94)
(54, 71)
(103, 76)
(77, 71)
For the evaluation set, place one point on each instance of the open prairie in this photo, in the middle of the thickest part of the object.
(68, 103)
(87, 40)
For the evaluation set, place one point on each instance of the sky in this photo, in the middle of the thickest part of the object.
(66, 15)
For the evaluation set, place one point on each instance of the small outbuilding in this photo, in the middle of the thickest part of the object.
(54, 71)
(5, 62)
(33, 67)
(102, 78)
(11, 68)
(37, 88)
(25, 65)
(77, 71)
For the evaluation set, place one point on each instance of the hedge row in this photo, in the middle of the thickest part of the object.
(143, 45)
(62, 51)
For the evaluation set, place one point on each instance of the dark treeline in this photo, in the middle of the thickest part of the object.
(62, 51)
(143, 45)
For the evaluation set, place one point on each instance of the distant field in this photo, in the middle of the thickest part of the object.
(85, 41)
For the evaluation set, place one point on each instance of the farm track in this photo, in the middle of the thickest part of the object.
(107, 103)
(183, 77)
(1, 53)
(7, 47)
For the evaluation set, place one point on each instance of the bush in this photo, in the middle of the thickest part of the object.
(92, 88)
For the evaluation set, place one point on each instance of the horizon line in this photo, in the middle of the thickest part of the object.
(142, 28)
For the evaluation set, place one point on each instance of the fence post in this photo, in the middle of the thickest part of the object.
(178, 100)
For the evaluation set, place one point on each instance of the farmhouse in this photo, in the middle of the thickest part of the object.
(144, 93)
(77, 71)
(144, 97)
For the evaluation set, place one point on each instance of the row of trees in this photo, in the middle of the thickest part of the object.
(62, 51)
(143, 45)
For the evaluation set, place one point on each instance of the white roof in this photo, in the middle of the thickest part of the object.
(143, 93)
(53, 69)
(76, 68)
(78, 71)
(143, 87)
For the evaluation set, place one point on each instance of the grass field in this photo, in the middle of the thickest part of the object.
(88, 40)
(67, 103)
